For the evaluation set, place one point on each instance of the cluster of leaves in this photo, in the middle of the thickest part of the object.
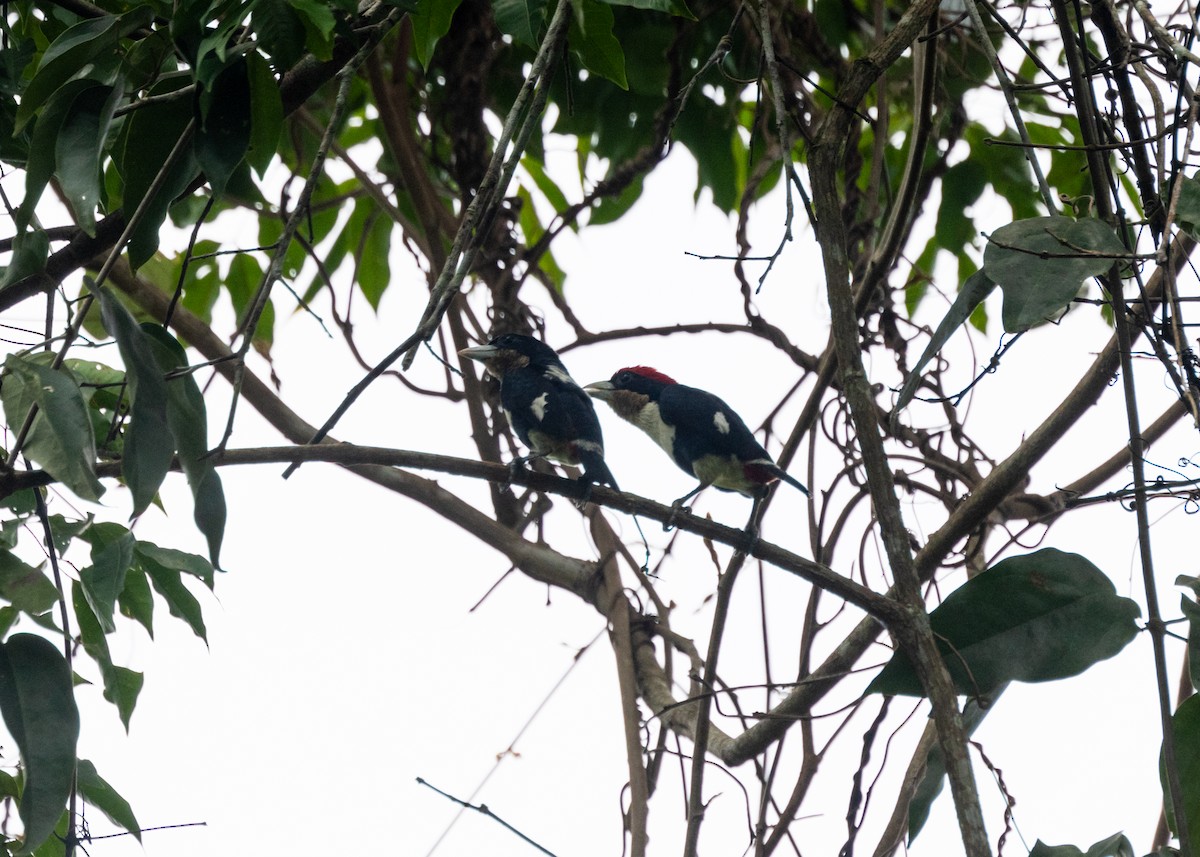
(36, 680)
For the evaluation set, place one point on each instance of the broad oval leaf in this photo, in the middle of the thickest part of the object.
(79, 148)
(121, 685)
(148, 444)
(1040, 617)
(104, 580)
(1042, 262)
(1186, 725)
(266, 114)
(188, 422)
(72, 51)
(43, 148)
(24, 586)
(1187, 211)
(29, 252)
(38, 704)
(61, 438)
(224, 130)
(149, 136)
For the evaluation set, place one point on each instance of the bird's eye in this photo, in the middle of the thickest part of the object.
(623, 377)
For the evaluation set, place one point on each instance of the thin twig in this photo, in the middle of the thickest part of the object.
(482, 809)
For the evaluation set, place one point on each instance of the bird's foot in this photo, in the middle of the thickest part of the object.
(676, 507)
(586, 496)
(514, 468)
(752, 539)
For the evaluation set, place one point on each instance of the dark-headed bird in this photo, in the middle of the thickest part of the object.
(550, 413)
(702, 434)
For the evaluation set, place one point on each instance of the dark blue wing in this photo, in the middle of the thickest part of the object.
(554, 417)
(698, 417)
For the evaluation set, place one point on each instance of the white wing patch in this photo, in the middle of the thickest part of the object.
(538, 406)
(720, 421)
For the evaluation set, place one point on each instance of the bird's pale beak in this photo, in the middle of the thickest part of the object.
(602, 390)
(480, 352)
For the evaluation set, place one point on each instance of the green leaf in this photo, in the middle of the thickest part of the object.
(20, 502)
(610, 209)
(1116, 845)
(79, 148)
(30, 250)
(60, 439)
(521, 19)
(1186, 723)
(182, 604)
(121, 687)
(38, 704)
(432, 20)
(43, 147)
(961, 188)
(149, 135)
(188, 422)
(533, 230)
(211, 33)
(974, 291)
(177, 560)
(553, 193)
(74, 49)
(1039, 617)
(104, 580)
(149, 449)
(373, 271)
(1191, 611)
(591, 38)
(64, 530)
(671, 7)
(9, 787)
(1187, 211)
(934, 777)
(318, 21)
(224, 131)
(280, 32)
(55, 845)
(1043, 850)
(96, 791)
(24, 586)
(266, 114)
(9, 532)
(1041, 264)
(136, 600)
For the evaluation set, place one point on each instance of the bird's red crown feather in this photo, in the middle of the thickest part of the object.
(650, 372)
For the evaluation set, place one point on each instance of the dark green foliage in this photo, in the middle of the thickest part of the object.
(38, 704)
(1040, 617)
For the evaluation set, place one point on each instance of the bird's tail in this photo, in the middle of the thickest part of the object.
(776, 470)
(595, 470)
